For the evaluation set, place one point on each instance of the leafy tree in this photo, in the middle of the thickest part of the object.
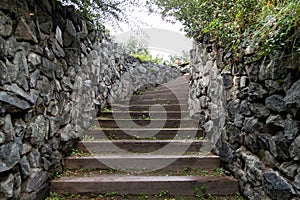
(108, 11)
(133, 45)
(266, 25)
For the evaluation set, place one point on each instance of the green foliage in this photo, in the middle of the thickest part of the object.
(266, 26)
(78, 153)
(100, 11)
(139, 49)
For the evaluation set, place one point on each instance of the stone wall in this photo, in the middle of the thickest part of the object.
(56, 73)
(257, 136)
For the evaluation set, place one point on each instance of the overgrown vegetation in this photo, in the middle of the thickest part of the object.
(266, 26)
(163, 195)
(138, 48)
(110, 12)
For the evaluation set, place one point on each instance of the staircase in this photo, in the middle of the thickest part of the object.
(148, 147)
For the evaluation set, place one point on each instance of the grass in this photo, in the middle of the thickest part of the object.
(187, 171)
(77, 153)
(162, 195)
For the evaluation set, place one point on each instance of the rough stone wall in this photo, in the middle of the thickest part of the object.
(260, 141)
(56, 72)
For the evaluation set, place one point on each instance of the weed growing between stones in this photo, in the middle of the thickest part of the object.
(162, 195)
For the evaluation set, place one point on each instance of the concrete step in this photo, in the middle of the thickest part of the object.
(143, 162)
(161, 96)
(157, 101)
(134, 185)
(139, 146)
(164, 133)
(144, 115)
(166, 90)
(146, 123)
(155, 107)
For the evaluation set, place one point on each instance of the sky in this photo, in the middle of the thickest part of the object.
(163, 38)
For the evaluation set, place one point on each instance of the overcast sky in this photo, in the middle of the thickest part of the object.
(163, 38)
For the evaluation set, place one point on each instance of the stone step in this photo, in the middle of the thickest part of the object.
(135, 185)
(164, 133)
(144, 115)
(139, 146)
(143, 162)
(161, 96)
(166, 90)
(157, 101)
(146, 123)
(155, 107)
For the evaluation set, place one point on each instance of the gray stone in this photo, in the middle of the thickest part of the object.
(252, 125)
(26, 148)
(243, 81)
(4, 76)
(34, 59)
(275, 103)
(9, 129)
(5, 25)
(67, 84)
(25, 167)
(9, 156)
(12, 46)
(297, 184)
(267, 158)
(226, 153)
(58, 35)
(17, 184)
(12, 100)
(251, 142)
(34, 158)
(259, 110)
(204, 100)
(291, 128)
(263, 141)
(13, 71)
(276, 187)
(2, 137)
(279, 147)
(232, 133)
(14, 88)
(45, 164)
(252, 71)
(227, 81)
(244, 108)
(289, 168)
(37, 130)
(293, 96)
(48, 68)
(57, 50)
(24, 32)
(21, 61)
(46, 27)
(275, 120)
(3, 47)
(67, 134)
(7, 186)
(294, 149)
(253, 167)
(256, 91)
(142, 69)
(273, 86)
(272, 70)
(233, 108)
(69, 34)
(36, 179)
(48, 53)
